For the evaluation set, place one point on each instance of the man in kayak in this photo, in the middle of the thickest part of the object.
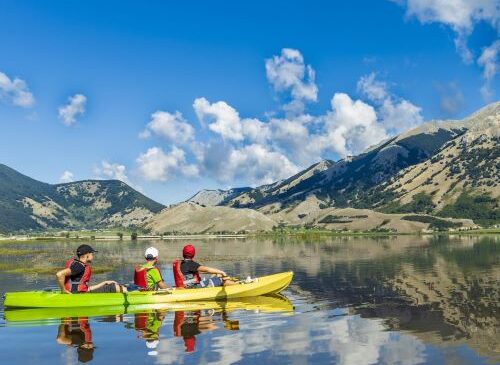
(148, 276)
(187, 272)
(75, 277)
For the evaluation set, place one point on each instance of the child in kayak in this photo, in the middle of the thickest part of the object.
(187, 272)
(75, 277)
(148, 276)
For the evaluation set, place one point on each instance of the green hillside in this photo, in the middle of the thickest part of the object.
(30, 205)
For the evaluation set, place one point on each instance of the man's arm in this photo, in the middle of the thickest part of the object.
(61, 276)
(211, 270)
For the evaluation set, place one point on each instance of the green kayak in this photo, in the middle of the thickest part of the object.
(47, 299)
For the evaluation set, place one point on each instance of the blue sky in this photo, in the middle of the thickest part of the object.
(262, 89)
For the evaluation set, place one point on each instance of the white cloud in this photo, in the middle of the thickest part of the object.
(351, 126)
(399, 116)
(223, 119)
(66, 177)
(293, 137)
(114, 171)
(288, 73)
(156, 165)
(489, 61)
(395, 114)
(254, 151)
(172, 126)
(460, 15)
(255, 130)
(15, 92)
(255, 163)
(258, 164)
(373, 89)
(74, 107)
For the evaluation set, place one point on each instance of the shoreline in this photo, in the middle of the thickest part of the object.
(304, 234)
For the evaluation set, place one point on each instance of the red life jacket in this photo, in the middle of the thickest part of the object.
(83, 284)
(140, 276)
(179, 320)
(180, 280)
(140, 321)
(85, 328)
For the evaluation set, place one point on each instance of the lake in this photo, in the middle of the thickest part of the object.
(353, 300)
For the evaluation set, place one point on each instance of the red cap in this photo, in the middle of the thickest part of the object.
(189, 344)
(188, 251)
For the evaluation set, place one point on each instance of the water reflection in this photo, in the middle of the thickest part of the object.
(390, 300)
(76, 332)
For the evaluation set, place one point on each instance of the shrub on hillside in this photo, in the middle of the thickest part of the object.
(481, 208)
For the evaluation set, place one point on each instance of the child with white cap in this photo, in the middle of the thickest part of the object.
(148, 276)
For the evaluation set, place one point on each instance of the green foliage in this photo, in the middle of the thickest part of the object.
(334, 219)
(133, 236)
(421, 203)
(434, 223)
(481, 208)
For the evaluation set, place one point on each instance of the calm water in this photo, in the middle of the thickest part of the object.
(399, 300)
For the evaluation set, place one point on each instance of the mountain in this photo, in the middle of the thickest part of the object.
(189, 217)
(211, 198)
(27, 204)
(446, 168)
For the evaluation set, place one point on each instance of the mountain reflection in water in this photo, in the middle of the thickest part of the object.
(405, 299)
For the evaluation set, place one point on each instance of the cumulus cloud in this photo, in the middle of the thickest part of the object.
(66, 177)
(222, 118)
(373, 89)
(396, 114)
(15, 92)
(288, 73)
(489, 61)
(74, 107)
(171, 126)
(112, 171)
(293, 137)
(254, 163)
(462, 16)
(156, 165)
(351, 126)
(260, 151)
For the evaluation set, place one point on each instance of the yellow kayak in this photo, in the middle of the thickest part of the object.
(44, 299)
(48, 316)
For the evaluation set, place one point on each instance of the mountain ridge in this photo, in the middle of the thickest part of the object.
(27, 204)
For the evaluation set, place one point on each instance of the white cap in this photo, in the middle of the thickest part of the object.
(152, 344)
(151, 253)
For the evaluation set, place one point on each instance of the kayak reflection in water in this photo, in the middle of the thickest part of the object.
(190, 324)
(148, 325)
(76, 332)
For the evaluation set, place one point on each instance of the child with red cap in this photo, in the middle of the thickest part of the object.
(186, 272)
